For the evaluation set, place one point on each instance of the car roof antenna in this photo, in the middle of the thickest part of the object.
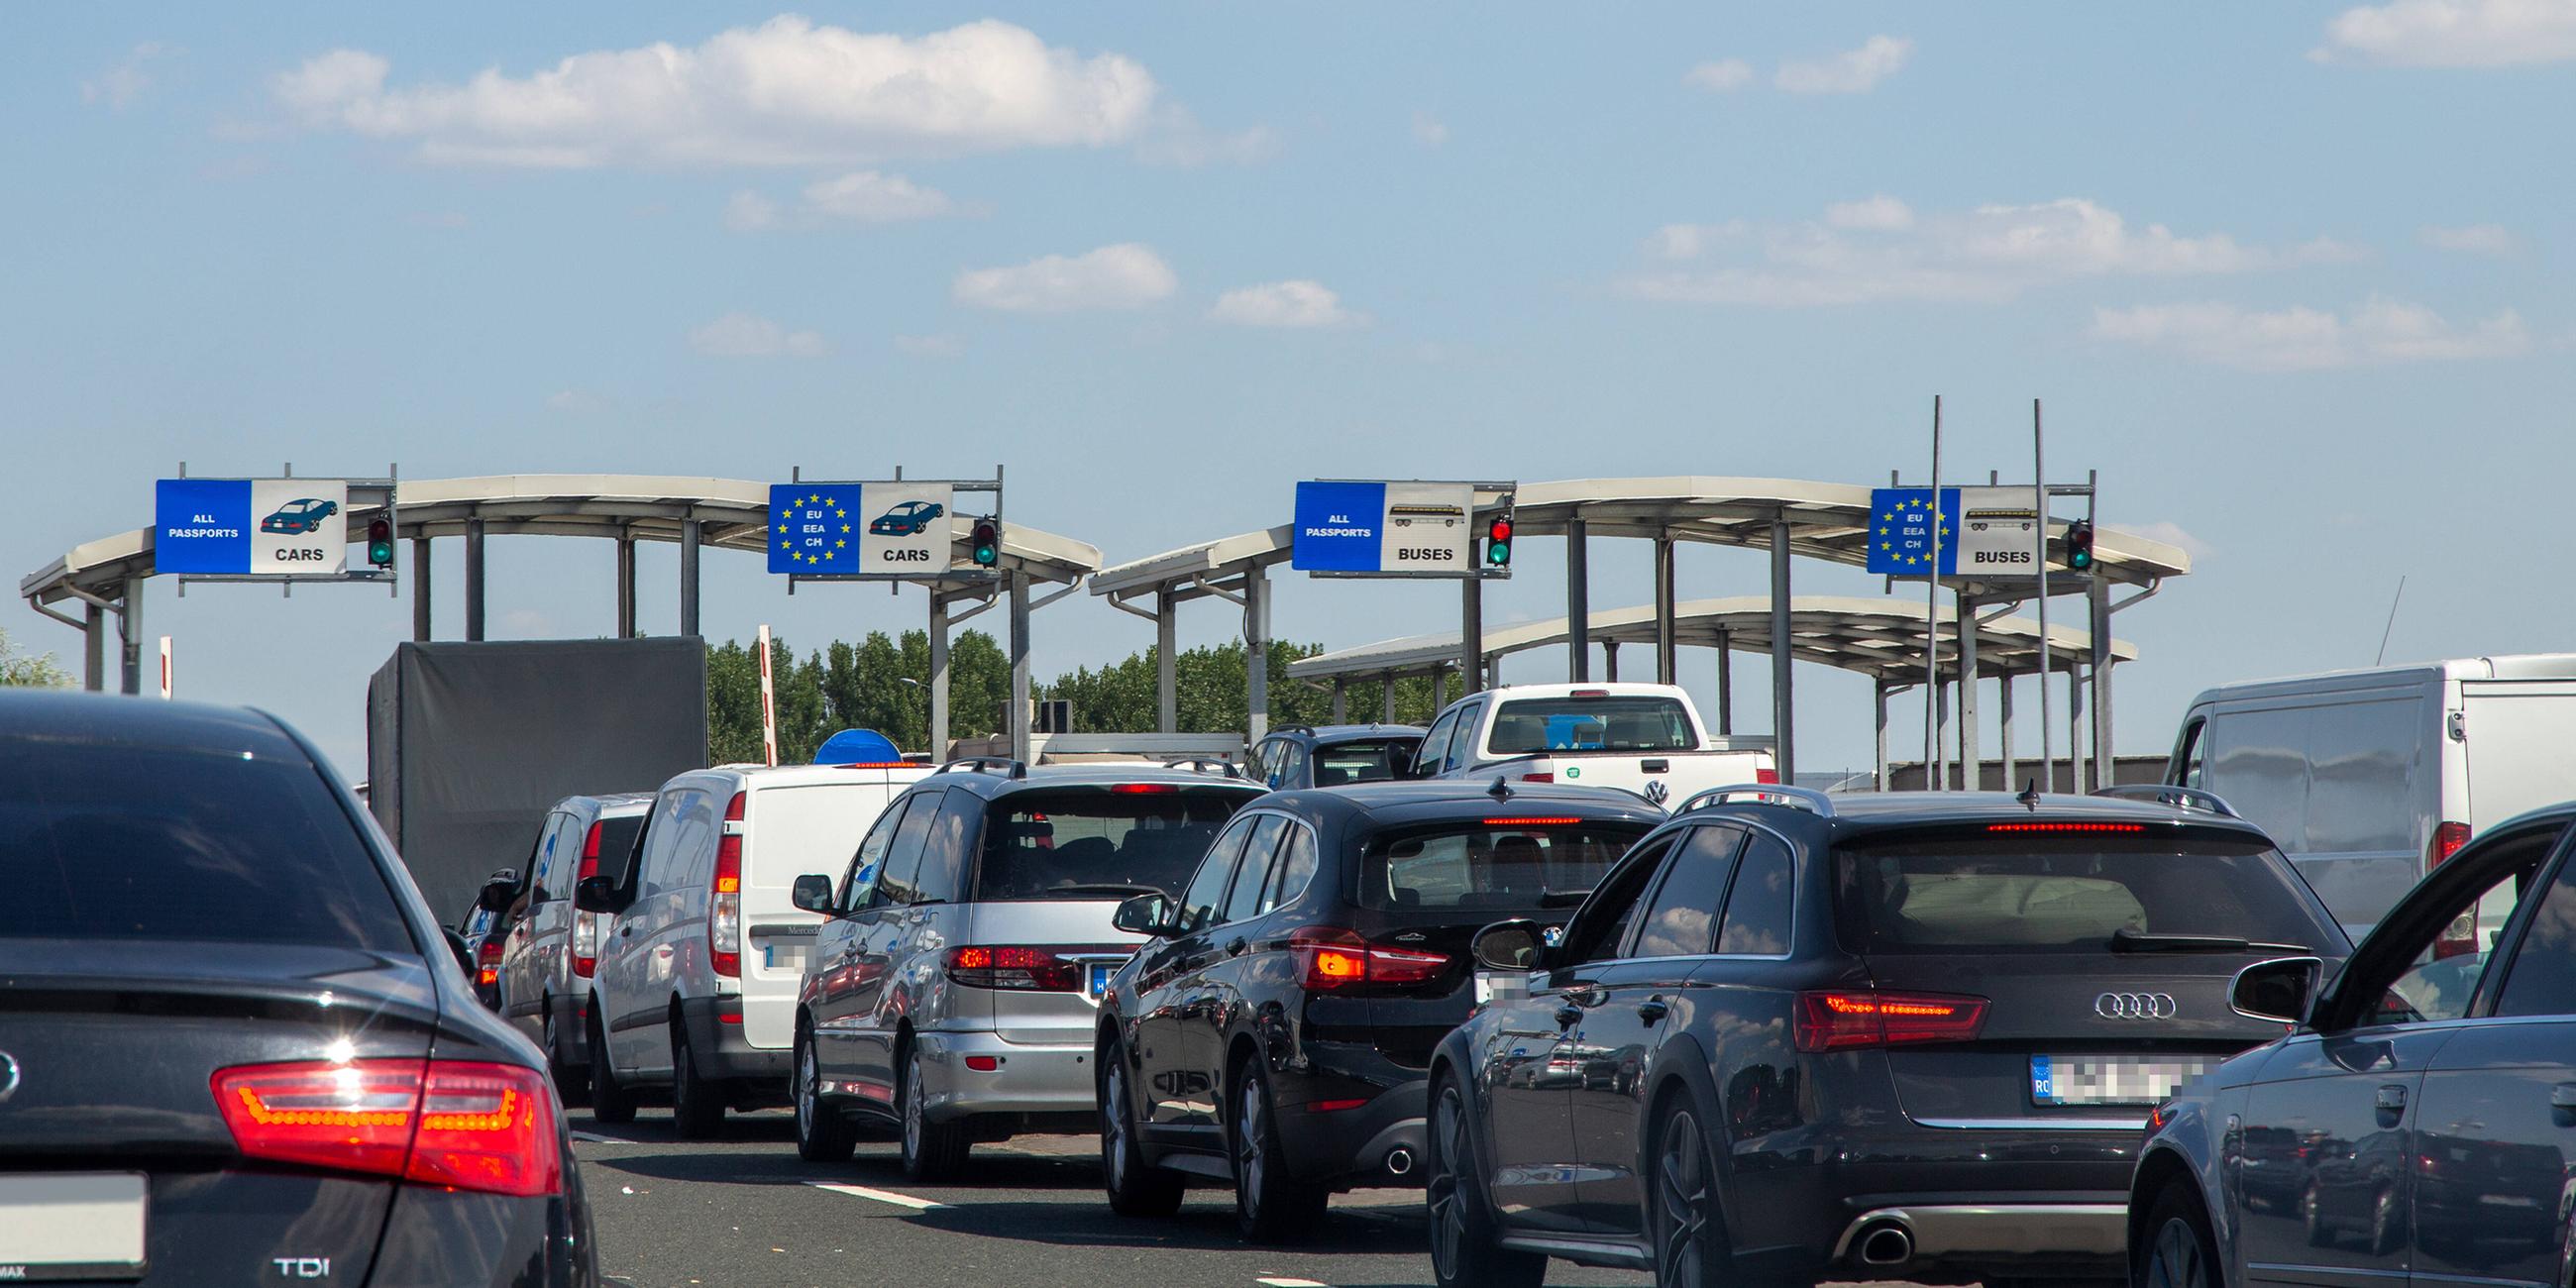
(1502, 788)
(2029, 794)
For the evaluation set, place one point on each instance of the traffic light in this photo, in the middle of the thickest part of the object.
(380, 543)
(1498, 541)
(988, 543)
(2079, 546)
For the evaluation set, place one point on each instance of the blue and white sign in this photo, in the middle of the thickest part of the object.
(1402, 529)
(1337, 527)
(1901, 523)
(814, 527)
(251, 527)
(838, 529)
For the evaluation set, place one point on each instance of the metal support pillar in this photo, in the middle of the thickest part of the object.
(1256, 656)
(1941, 726)
(691, 534)
(1725, 681)
(1471, 636)
(1167, 662)
(1439, 687)
(1386, 699)
(2105, 759)
(1610, 661)
(1783, 705)
(129, 624)
(2004, 728)
(1020, 712)
(1667, 661)
(938, 732)
(2075, 726)
(474, 579)
(1578, 605)
(625, 587)
(420, 589)
(1971, 758)
(1341, 700)
(1879, 776)
(94, 650)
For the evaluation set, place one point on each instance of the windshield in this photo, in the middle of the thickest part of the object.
(2022, 894)
(1493, 864)
(1097, 843)
(1526, 726)
(1362, 762)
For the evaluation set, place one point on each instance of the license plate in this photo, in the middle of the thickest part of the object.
(1500, 986)
(788, 956)
(80, 1225)
(2109, 1080)
(1098, 983)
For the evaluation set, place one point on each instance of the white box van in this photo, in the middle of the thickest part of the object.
(2367, 779)
(695, 989)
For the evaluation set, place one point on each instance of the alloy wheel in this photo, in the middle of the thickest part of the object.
(1681, 1199)
(1441, 1187)
(2174, 1261)
(1251, 1121)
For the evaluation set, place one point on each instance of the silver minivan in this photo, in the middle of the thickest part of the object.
(955, 986)
(547, 958)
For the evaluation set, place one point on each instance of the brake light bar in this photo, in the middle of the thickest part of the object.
(463, 1124)
(1015, 968)
(1542, 776)
(878, 764)
(1769, 777)
(1564, 820)
(1848, 1019)
(1589, 693)
(1337, 958)
(2066, 827)
(1144, 789)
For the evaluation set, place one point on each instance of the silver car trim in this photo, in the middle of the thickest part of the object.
(1941, 1230)
(2035, 1124)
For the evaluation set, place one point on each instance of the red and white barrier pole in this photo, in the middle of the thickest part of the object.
(165, 668)
(768, 701)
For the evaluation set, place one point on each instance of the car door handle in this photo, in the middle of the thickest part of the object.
(1568, 1015)
(1653, 1010)
(2392, 1098)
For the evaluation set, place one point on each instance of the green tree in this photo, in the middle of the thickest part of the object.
(851, 686)
(21, 668)
(1211, 696)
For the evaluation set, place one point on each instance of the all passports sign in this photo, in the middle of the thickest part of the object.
(251, 527)
(1351, 528)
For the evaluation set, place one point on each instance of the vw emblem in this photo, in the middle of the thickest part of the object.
(1657, 793)
(8, 1075)
(2134, 1006)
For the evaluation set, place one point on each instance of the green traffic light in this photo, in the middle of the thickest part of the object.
(380, 553)
(1498, 552)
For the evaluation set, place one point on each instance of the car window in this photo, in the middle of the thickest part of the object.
(1515, 863)
(900, 884)
(1292, 765)
(2440, 978)
(1105, 842)
(2195, 755)
(653, 872)
(1681, 921)
(1198, 905)
(1295, 869)
(617, 844)
(1243, 897)
(2541, 980)
(1628, 722)
(546, 878)
(1372, 761)
(1761, 904)
(1462, 740)
(944, 856)
(1600, 930)
(1435, 746)
(858, 888)
(2048, 892)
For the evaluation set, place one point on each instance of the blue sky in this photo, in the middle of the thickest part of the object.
(2292, 278)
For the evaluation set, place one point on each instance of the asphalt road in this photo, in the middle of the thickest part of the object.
(745, 1212)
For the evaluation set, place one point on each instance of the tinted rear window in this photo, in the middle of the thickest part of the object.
(1632, 723)
(1093, 843)
(2024, 895)
(617, 846)
(1480, 865)
(1362, 762)
(135, 843)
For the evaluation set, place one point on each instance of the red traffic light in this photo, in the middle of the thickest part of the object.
(1499, 530)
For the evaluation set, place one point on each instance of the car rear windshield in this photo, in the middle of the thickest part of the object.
(2044, 893)
(1626, 723)
(617, 846)
(1099, 842)
(1362, 762)
(122, 842)
(1493, 864)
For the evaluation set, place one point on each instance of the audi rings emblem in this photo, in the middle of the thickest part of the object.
(2134, 1006)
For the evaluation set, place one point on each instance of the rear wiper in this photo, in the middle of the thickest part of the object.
(2130, 941)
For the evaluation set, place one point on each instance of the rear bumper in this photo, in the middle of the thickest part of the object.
(1376, 1143)
(1046, 1078)
(2053, 1237)
(721, 1049)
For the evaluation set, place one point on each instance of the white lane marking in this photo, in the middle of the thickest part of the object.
(884, 1196)
(596, 1139)
(1291, 1283)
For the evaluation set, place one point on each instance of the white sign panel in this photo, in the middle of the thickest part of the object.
(299, 526)
(908, 527)
(1429, 527)
(1998, 533)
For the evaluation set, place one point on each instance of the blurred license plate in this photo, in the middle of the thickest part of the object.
(1500, 985)
(81, 1225)
(788, 955)
(1098, 983)
(2109, 1080)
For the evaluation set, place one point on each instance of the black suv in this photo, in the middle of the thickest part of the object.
(1909, 1036)
(1300, 756)
(1276, 1031)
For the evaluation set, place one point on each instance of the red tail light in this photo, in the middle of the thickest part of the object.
(1543, 776)
(471, 1126)
(1014, 967)
(2447, 840)
(487, 960)
(1771, 776)
(1551, 821)
(2066, 827)
(589, 854)
(724, 916)
(1337, 958)
(2460, 938)
(1845, 1019)
(1144, 789)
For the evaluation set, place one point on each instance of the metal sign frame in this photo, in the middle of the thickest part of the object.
(1505, 494)
(364, 493)
(968, 576)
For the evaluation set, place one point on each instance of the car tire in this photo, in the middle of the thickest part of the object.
(1688, 1232)
(1270, 1205)
(572, 1081)
(931, 1151)
(697, 1104)
(823, 1133)
(2178, 1250)
(1136, 1188)
(610, 1101)
(1466, 1240)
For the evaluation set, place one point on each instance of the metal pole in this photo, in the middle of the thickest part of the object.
(2075, 726)
(1667, 659)
(1934, 778)
(1471, 635)
(2106, 768)
(1783, 706)
(1725, 680)
(1256, 655)
(2047, 651)
(625, 587)
(1971, 777)
(1341, 700)
(94, 650)
(938, 732)
(1578, 604)
(1020, 744)
(1879, 776)
(1386, 699)
(1167, 662)
(690, 536)
(1439, 686)
(1610, 661)
(130, 627)
(2004, 727)
(420, 588)
(474, 579)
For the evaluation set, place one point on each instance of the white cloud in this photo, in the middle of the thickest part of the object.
(121, 85)
(861, 197)
(1721, 76)
(1854, 71)
(2453, 33)
(1126, 276)
(1299, 303)
(1175, 138)
(578, 402)
(2299, 338)
(745, 335)
(787, 92)
(929, 346)
(1429, 131)
(1881, 249)
(2472, 239)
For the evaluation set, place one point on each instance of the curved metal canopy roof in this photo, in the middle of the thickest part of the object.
(1880, 638)
(733, 514)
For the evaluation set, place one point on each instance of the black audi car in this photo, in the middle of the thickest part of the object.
(1276, 1032)
(1914, 1036)
(233, 1040)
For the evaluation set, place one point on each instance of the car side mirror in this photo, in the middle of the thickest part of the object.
(463, 953)
(2280, 990)
(1145, 914)
(1509, 945)
(813, 892)
(595, 894)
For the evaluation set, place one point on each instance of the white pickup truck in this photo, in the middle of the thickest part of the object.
(1641, 738)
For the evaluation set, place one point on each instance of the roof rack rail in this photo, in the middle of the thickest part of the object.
(1805, 798)
(986, 765)
(2173, 794)
(1203, 764)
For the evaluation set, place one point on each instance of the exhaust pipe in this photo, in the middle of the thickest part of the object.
(1887, 1245)
(1399, 1161)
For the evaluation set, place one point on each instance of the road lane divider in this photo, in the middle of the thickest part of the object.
(881, 1196)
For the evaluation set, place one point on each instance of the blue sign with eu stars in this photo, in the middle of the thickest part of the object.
(810, 528)
(1901, 523)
